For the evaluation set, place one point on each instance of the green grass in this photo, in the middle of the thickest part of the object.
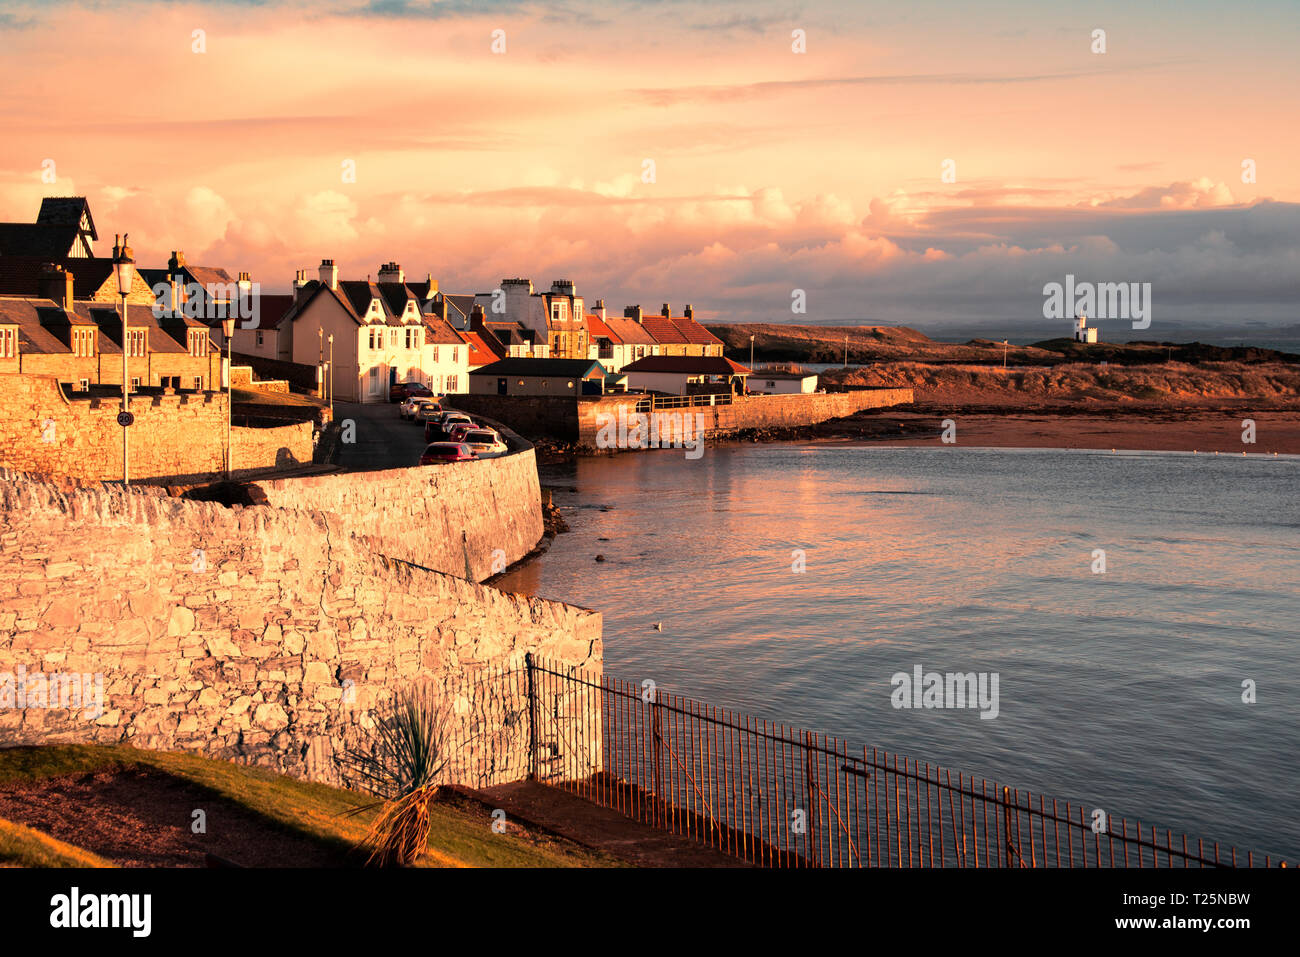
(459, 837)
(22, 847)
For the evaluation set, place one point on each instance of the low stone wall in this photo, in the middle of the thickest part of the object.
(553, 417)
(471, 520)
(775, 411)
(262, 635)
(179, 437)
(577, 419)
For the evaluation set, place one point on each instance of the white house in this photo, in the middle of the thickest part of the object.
(444, 367)
(378, 332)
(782, 383)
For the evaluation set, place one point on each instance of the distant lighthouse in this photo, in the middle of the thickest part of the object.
(1081, 331)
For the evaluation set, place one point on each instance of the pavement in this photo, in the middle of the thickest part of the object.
(384, 440)
(601, 828)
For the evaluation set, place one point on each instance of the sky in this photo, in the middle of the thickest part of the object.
(918, 162)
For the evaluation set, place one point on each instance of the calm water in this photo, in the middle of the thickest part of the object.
(1121, 689)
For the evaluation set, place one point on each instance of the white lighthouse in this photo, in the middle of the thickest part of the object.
(1081, 331)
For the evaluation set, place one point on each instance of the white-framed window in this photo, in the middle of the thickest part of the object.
(198, 344)
(198, 383)
(392, 338)
(435, 353)
(374, 338)
(455, 353)
(135, 382)
(452, 383)
(83, 385)
(136, 343)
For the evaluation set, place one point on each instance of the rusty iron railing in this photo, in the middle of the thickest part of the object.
(781, 797)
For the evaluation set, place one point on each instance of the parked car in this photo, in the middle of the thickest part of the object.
(486, 443)
(401, 391)
(456, 431)
(410, 408)
(438, 430)
(429, 411)
(442, 453)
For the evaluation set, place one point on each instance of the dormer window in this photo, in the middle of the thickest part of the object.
(136, 343)
(198, 344)
(8, 342)
(83, 342)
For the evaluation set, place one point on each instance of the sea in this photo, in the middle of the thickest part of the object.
(1141, 611)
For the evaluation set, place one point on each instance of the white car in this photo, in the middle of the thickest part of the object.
(486, 443)
(407, 409)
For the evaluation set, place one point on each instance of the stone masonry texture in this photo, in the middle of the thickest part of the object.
(181, 437)
(270, 634)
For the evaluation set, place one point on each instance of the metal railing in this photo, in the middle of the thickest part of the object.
(652, 403)
(782, 797)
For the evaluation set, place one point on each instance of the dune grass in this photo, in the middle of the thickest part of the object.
(459, 837)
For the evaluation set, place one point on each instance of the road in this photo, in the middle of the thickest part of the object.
(383, 440)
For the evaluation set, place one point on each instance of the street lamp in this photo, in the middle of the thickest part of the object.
(228, 330)
(331, 378)
(751, 352)
(124, 268)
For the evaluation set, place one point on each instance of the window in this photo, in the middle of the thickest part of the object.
(374, 338)
(455, 353)
(83, 385)
(259, 338)
(198, 383)
(392, 338)
(83, 343)
(198, 344)
(435, 353)
(135, 382)
(452, 383)
(136, 343)
(570, 383)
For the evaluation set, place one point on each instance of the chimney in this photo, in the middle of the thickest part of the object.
(56, 284)
(177, 262)
(299, 281)
(563, 287)
(432, 283)
(329, 273)
(599, 309)
(667, 311)
(632, 312)
(391, 272)
(690, 311)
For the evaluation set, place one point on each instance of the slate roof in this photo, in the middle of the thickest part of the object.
(20, 275)
(549, 368)
(66, 210)
(37, 239)
(38, 318)
(688, 365)
(439, 332)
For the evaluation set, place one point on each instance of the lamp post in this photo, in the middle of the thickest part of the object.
(331, 377)
(320, 359)
(751, 352)
(228, 330)
(124, 268)
(1004, 353)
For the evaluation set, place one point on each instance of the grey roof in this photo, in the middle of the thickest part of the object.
(537, 368)
(688, 365)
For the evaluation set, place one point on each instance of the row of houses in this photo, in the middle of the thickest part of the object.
(390, 330)
(59, 316)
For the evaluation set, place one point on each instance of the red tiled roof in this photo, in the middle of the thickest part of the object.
(480, 354)
(664, 330)
(695, 333)
(598, 327)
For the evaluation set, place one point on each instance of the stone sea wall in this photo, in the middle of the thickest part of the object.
(267, 635)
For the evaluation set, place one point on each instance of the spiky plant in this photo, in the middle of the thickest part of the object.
(408, 750)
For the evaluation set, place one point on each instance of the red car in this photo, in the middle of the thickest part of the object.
(441, 453)
(401, 391)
